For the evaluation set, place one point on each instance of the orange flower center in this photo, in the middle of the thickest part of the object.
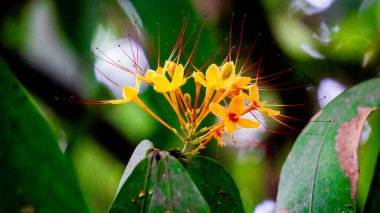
(233, 117)
(256, 104)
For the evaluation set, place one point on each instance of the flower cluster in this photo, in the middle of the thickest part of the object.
(221, 85)
(220, 90)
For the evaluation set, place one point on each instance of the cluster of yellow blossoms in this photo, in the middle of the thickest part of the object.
(222, 85)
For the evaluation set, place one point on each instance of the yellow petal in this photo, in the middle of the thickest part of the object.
(241, 82)
(160, 71)
(167, 64)
(218, 110)
(229, 126)
(183, 81)
(236, 105)
(268, 111)
(129, 93)
(226, 83)
(254, 93)
(149, 76)
(178, 76)
(242, 122)
(159, 89)
(160, 81)
(170, 67)
(199, 78)
(228, 70)
(213, 75)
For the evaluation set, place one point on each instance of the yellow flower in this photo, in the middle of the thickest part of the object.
(161, 82)
(169, 66)
(130, 94)
(254, 98)
(217, 78)
(149, 75)
(231, 117)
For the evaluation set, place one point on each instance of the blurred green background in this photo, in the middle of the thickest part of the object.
(50, 46)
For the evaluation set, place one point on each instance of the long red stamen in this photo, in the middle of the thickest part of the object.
(240, 39)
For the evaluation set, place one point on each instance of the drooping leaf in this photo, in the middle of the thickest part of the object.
(321, 172)
(159, 183)
(35, 176)
(215, 184)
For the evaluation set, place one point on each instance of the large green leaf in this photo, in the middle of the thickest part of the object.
(372, 203)
(35, 176)
(216, 185)
(313, 178)
(159, 183)
(368, 158)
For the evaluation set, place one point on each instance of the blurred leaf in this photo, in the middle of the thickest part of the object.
(312, 177)
(99, 183)
(215, 184)
(35, 176)
(252, 173)
(159, 183)
(368, 155)
(372, 203)
(358, 35)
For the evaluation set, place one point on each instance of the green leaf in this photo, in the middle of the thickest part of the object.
(313, 178)
(215, 184)
(372, 202)
(35, 176)
(368, 157)
(159, 183)
(137, 156)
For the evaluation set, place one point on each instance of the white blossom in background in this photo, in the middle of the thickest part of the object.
(328, 88)
(54, 58)
(308, 49)
(310, 7)
(267, 206)
(129, 53)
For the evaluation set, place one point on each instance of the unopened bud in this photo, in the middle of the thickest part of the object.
(228, 70)
(187, 98)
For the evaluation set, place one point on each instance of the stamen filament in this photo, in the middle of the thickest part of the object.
(144, 107)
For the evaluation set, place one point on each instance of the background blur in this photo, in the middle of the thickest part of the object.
(50, 45)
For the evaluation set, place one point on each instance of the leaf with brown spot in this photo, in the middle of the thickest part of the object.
(312, 178)
(347, 144)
